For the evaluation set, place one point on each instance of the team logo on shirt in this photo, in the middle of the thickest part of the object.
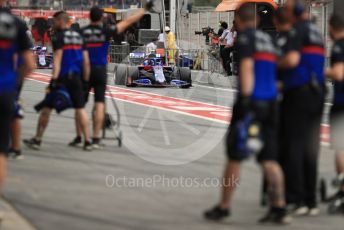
(282, 41)
(8, 29)
(243, 39)
(72, 38)
(337, 49)
(94, 35)
(314, 35)
(264, 42)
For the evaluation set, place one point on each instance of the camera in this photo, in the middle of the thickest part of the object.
(205, 31)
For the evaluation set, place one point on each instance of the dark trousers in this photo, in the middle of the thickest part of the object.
(6, 115)
(301, 112)
(226, 59)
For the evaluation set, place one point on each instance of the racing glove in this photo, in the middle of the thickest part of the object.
(243, 106)
(149, 5)
(53, 84)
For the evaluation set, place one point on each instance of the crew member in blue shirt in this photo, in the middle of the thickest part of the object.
(302, 107)
(97, 38)
(13, 42)
(258, 97)
(71, 66)
(336, 74)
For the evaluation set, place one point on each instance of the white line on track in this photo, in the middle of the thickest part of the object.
(174, 111)
(179, 112)
(112, 95)
(215, 88)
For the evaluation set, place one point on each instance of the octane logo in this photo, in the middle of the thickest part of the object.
(168, 126)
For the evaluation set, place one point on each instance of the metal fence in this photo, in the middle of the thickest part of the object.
(188, 25)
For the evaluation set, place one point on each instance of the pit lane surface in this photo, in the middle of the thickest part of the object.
(65, 188)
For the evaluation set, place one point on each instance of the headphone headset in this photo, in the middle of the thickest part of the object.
(299, 8)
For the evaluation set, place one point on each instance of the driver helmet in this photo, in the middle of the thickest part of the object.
(152, 62)
(146, 63)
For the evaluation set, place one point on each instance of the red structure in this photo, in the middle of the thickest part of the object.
(47, 13)
(231, 5)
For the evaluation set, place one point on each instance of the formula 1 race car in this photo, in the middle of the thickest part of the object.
(43, 59)
(152, 72)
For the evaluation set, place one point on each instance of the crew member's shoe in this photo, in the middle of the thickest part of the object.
(77, 142)
(15, 154)
(338, 195)
(96, 143)
(217, 214)
(300, 210)
(229, 73)
(88, 146)
(313, 211)
(276, 216)
(33, 143)
(336, 205)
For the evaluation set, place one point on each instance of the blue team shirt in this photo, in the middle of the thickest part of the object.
(306, 39)
(72, 44)
(337, 56)
(259, 45)
(97, 40)
(13, 41)
(282, 44)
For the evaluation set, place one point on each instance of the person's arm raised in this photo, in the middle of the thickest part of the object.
(123, 25)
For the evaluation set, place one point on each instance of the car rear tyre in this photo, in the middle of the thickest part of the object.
(185, 75)
(121, 75)
(133, 74)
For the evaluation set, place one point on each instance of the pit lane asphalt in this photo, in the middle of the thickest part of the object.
(65, 188)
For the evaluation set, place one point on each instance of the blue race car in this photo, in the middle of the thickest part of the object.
(44, 60)
(152, 72)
